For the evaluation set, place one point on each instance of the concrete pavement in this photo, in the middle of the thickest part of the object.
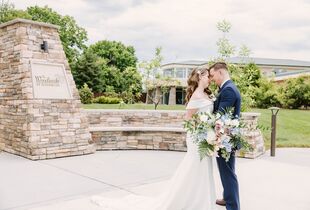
(266, 183)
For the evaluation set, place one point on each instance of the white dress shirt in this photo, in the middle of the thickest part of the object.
(224, 82)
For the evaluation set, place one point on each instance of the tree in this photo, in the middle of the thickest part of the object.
(8, 12)
(152, 78)
(131, 85)
(73, 37)
(244, 51)
(94, 70)
(266, 94)
(245, 75)
(88, 69)
(119, 74)
(116, 54)
(296, 93)
(225, 48)
(86, 94)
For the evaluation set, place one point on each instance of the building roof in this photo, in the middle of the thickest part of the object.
(271, 61)
(258, 61)
(289, 75)
(281, 74)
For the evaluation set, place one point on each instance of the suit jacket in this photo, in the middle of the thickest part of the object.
(229, 96)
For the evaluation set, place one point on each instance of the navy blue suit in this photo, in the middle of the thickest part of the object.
(229, 96)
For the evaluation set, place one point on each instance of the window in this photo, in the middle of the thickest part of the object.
(180, 73)
(168, 72)
(189, 71)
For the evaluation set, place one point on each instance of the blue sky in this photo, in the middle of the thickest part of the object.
(186, 29)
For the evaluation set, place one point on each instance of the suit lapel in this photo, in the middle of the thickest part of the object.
(218, 97)
(225, 84)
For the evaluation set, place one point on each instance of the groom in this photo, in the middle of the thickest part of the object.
(228, 97)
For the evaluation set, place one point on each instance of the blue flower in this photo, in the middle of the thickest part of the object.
(201, 136)
(227, 145)
(235, 131)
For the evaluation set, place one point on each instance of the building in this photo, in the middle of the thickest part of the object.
(277, 69)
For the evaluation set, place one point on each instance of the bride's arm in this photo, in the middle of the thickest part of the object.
(189, 113)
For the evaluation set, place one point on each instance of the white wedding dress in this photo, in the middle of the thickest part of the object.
(190, 188)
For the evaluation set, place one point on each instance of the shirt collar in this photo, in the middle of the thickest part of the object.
(224, 82)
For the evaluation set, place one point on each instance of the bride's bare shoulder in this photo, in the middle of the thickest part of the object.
(197, 96)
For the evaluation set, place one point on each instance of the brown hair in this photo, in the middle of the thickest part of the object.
(219, 65)
(193, 80)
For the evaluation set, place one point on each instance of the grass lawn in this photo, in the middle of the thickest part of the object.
(293, 126)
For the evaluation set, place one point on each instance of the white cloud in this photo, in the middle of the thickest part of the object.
(187, 29)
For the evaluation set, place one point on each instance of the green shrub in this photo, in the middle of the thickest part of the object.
(111, 94)
(86, 94)
(296, 93)
(107, 100)
(266, 95)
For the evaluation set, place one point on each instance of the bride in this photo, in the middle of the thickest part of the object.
(192, 185)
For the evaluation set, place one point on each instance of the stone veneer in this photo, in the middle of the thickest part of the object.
(139, 118)
(150, 129)
(37, 128)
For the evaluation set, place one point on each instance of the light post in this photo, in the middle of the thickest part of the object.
(274, 112)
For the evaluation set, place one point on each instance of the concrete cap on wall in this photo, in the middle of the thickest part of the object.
(20, 20)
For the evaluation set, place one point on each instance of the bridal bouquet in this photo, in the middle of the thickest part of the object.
(229, 131)
(217, 134)
(202, 129)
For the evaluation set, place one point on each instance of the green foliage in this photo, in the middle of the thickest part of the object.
(106, 100)
(225, 48)
(296, 93)
(89, 69)
(73, 37)
(116, 54)
(111, 93)
(224, 26)
(150, 70)
(92, 69)
(244, 51)
(114, 80)
(255, 90)
(132, 80)
(266, 95)
(152, 78)
(8, 12)
(293, 93)
(245, 75)
(86, 94)
(115, 68)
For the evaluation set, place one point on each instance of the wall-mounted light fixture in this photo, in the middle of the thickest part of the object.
(44, 46)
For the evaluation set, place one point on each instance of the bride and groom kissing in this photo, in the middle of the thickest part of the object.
(192, 185)
(228, 97)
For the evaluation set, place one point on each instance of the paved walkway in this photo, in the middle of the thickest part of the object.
(266, 183)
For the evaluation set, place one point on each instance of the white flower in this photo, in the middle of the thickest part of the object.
(235, 123)
(211, 136)
(228, 122)
(204, 118)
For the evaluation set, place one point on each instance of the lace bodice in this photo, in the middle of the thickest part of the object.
(203, 105)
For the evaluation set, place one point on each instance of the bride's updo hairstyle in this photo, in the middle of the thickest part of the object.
(193, 80)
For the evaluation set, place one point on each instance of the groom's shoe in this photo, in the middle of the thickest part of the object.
(220, 202)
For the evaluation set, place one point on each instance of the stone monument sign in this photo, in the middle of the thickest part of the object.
(40, 109)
